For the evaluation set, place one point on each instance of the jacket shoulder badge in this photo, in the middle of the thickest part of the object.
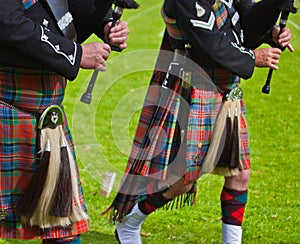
(200, 11)
(201, 21)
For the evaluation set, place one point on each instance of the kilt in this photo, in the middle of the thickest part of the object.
(26, 93)
(207, 91)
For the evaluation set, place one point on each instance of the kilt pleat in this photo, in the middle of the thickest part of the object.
(206, 101)
(28, 93)
(158, 140)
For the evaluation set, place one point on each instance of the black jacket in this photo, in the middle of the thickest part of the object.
(207, 26)
(31, 38)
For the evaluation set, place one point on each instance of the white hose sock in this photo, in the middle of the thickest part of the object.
(231, 234)
(128, 230)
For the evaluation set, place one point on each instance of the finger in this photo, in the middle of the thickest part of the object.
(285, 35)
(101, 68)
(123, 45)
(284, 38)
(275, 61)
(276, 51)
(101, 56)
(106, 47)
(284, 41)
(101, 65)
(118, 40)
(273, 66)
(109, 24)
(101, 59)
(104, 56)
(117, 27)
(121, 33)
(277, 28)
(290, 47)
(275, 56)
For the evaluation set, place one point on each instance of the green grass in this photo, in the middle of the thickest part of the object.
(103, 132)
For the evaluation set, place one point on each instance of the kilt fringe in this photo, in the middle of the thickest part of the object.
(115, 214)
(187, 199)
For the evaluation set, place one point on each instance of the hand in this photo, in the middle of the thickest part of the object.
(284, 38)
(267, 57)
(118, 34)
(94, 56)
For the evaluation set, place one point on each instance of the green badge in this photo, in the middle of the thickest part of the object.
(51, 117)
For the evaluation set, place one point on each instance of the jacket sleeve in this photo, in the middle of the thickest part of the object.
(90, 17)
(204, 35)
(24, 39)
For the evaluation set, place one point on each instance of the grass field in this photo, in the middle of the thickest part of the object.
(103, 132)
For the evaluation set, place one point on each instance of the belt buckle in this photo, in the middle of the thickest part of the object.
(3, 214)
(235, 94)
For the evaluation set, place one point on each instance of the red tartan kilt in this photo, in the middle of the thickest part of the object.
(205, 108)
(32, 91)
(206, 101)
(200, 126)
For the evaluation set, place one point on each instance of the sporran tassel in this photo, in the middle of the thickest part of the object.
(230, 165)
(29, 200)
(223, 156)
(63, 192)
(41, 216)
(78, 212)
(217, 141)
(235, 145)
(54, 196)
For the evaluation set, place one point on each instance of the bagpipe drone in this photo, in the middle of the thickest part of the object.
(286, 7)
(119, 6)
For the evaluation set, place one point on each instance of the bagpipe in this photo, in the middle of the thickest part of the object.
(119, 6)
(258, 20)
(286, 7)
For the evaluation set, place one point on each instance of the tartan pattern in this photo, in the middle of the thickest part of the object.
(173, 30)
(28, 3)
(73, 240)
(154, 200)
(123, 202)
(233, 206)
(220, 12)
(206, 100)
(205, 106)
(31, 91)
(49, 88)
(154, 155)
